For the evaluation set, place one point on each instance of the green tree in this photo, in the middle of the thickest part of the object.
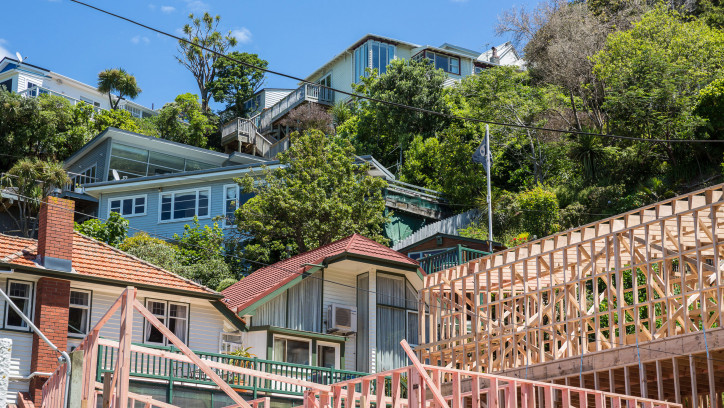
(199, 243)
(47, 127)
(120, 119)
(117, 80)
(236, 82)
(711, 107)
(504, 94)
(32, 180)
(382, 130)
(540, 213)
(444, 164)
(653, 74)
(202, 32)
(113, 231)
(183, 121)
(318, 196)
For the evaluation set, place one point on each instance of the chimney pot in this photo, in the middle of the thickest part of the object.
(55, 234)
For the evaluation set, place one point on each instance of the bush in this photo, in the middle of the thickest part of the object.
(539, 211)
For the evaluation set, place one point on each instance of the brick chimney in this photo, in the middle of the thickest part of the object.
(55, 251)
(494, 57)
(55, 234)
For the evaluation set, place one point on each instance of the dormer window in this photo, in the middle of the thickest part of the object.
(447, 63)
(374, 55)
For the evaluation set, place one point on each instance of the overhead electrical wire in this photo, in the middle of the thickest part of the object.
(580, 336)
(389, 103)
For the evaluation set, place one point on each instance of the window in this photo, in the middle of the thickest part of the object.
(326, 94)
(233, 199)
(372, 54)
(326, 356)
(440, 61)
(175, 316)
(8, 85)
(128, 207)
(396, 319)
(230, 342)
(293, 351)
(184, 205)
(84, 177)
(96, 105)
(132, 162)
(135, 112)
(21, 295)
(79, 312)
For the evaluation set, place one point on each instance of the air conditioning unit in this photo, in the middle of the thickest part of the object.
(341, 319)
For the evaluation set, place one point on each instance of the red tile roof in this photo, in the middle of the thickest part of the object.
(94, 258)
(266, 280)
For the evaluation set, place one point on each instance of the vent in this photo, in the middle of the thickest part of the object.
(342, 319)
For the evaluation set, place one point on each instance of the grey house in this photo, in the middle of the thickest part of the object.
(160, 186)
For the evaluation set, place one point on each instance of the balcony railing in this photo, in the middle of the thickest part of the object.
(172, 371)
(452, 257)
(36, 91)
(306, 92)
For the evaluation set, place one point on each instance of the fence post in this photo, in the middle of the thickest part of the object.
(6, 346)
(76, 379)
(107, 383)
(171, 369)
(254, 379)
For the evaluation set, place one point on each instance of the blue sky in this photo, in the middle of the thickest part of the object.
(296, 37)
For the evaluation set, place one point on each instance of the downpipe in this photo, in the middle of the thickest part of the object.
(63, 354)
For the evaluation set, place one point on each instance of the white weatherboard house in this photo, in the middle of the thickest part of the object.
(65, 282)
(32, 81)
(346, 305)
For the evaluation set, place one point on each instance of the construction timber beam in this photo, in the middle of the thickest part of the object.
(627, 281)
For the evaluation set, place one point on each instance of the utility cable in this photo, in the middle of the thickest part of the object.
(381, 101)
(430, 306)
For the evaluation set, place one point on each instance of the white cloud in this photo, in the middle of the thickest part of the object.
(197, 5)
(152, 7)
(4, 52)
(459, 1)
(140, 39)
(242, 35)
(168, 9)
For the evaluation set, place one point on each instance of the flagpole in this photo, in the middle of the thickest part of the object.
(487, 169)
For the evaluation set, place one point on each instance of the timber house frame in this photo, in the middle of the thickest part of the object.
(629, 304)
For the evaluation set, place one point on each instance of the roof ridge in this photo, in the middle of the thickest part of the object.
(114, 249)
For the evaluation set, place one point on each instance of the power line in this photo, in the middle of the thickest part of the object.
(390, 103)
(552, 332)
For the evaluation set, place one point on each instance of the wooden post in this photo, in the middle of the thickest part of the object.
(107, 389)
(124, 348)
(76, 379)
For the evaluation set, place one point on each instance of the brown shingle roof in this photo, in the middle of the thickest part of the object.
(266, 280)
(97, 259)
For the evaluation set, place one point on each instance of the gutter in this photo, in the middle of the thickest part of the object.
(107, 281)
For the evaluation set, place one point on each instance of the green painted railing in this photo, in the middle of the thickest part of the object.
(452, 257)
(159, 368)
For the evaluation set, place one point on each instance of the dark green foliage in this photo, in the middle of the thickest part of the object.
(381, 130)
(235, 82)
(182, 121)
(318, 197)
(113, 231)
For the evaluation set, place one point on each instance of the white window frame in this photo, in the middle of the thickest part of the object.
(228, 223)
(174, 194)
(425, 55)
(88, 308)
(277, 336)
(413, 343)
(337, 357)
(31, 304)
(166, 317)
(134, 197)
(222, 344)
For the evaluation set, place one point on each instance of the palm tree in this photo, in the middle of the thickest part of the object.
(120, 81)
(30, 180)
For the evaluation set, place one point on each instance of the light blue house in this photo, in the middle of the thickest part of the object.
(160, 186)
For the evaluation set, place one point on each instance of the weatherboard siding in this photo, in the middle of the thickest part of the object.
(205, 325)
(340, 288)
(151, 221)
(98, 156)
(271, 97)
